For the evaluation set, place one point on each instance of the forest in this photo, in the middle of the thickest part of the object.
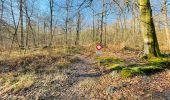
(84, 50)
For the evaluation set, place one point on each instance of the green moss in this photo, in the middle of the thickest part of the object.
(126, 72)
(156, 60)
(151, 69)
(137, 71)
(115, 67)
(140, 70)
(154, 65)
(109, 60)
(162, 62)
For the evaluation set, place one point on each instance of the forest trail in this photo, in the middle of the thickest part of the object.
(82, 75)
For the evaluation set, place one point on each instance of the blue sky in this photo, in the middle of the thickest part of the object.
(43, 9)
(44, 5)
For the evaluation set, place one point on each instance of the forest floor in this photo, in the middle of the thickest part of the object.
(77, 76)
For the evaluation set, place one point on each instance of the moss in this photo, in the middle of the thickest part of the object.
(151, 69)
(109, 60)
(115, 67)
(137, 71)
(126, 72)
(159, 60)
(162, 62)
(156, 60)
(140, 70)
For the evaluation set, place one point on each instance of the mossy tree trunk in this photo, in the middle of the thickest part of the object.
(151, 47)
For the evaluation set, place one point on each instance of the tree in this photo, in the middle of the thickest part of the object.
(16, 26)
(29, 27)
(164, 9)
(151, 47)
(51, 20)
(78, 28)
(93, 26)
(67, 20)
(102, 20)
(21, 24)
(1, 19)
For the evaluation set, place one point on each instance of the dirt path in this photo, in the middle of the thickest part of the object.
(67, 84)
(82, 76)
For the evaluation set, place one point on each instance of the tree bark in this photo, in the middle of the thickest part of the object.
(151, 47)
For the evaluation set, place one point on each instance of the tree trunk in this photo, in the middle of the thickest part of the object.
(51, 21)
(166, 21)
(93, 25)
(67, 21)
(151, 47)
(78, 28)
(2, 12)
(102, 21)
(105, 24)
(22, 31)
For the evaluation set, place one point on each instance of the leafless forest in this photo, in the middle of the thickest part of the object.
(84, 49)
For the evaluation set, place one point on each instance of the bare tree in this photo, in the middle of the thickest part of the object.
(67, 20)
(78, 28)
(2, 13)
(22, 25)
(51, 20)
(29, 25)
(165, 14)
(16, 26)
(102, 20)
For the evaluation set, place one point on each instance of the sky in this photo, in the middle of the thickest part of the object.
(42, 7)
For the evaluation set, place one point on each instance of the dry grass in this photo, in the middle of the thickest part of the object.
(7, 55)
(14, 83)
